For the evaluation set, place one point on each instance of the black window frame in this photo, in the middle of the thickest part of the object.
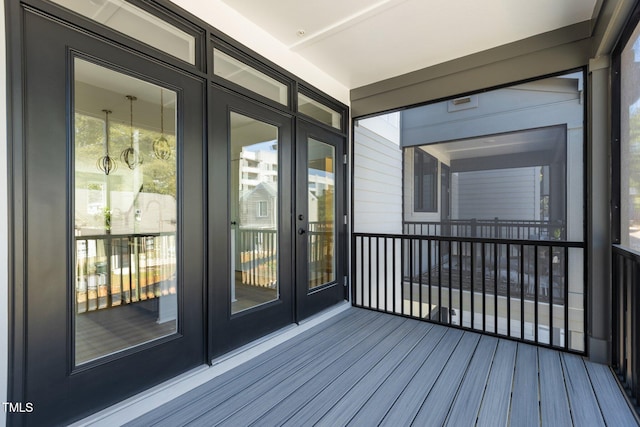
(425, 164)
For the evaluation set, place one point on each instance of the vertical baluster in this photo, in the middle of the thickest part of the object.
(411, 269)
(386, 274)
(484, 286)
(378, 281)
(535, 298)
(450, 264)
(420, 275)
(460, 270)
(429, 270)
(472, 284)
(440, 281)
(567, 333)
(550, 295)
(508, 289)
(495, 287)
(370, 305)
(522, 314)
(393, 269)
(402, 266)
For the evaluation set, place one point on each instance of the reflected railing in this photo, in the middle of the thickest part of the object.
(258, 252)
(528, 290)
(114, 270)
(495, 228)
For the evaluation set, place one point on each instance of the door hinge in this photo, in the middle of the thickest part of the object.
(345, 220)
(344, 159)
(345, 281)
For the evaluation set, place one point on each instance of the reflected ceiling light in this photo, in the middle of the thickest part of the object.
(130, 155)
(106, 163)
(161, 146)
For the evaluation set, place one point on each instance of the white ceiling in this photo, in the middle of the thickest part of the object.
(359, 42)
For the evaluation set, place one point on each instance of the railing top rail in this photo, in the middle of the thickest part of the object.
(117, 236)
(626, 252)
(526, 242)
(488, 221)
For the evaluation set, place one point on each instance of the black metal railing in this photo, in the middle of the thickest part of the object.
(113, 270)
(626, 318)
(530, 290)
(489, 229)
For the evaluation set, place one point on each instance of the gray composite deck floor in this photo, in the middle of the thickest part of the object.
(363, 368)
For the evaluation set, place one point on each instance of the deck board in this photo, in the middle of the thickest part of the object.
(435, 408)
(294, 393)
(584, 405)
(465, 408)
(525, 406)
(363, 368)
(409, 402)
(233, 396)
(496, 399)
(375, 409)
(554, 404)
(606, 389)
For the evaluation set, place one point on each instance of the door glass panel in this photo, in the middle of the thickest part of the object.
(137, 23)
(248, 77)
(322, 207)
(253, 212)
(125, 211)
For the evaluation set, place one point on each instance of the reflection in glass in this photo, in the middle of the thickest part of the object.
(322, 207)
(318, 111)
(254, 213)
(248, 77)
(630, 143)
(137, 23)
(125, 220)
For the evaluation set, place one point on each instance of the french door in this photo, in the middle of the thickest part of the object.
(275, 220)
(320, 225)
(250, 193)
(114, 224)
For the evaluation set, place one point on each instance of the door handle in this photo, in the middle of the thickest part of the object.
(301, 231)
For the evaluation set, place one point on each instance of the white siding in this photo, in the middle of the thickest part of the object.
(504, 193)
(377, 183)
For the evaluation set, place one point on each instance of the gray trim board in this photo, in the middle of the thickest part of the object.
(563, 49)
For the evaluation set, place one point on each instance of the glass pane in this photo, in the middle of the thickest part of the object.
(318, 111)
(630, 143)
(137, 23)
(125, 211)
(322, 207)
(248, 77)
(254, 212)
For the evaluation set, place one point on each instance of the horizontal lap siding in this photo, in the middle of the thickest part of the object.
(504, 193)
(377, 183)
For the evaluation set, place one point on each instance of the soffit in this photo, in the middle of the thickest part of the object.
(359, 42)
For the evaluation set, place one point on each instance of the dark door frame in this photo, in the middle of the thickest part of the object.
(316, 300)
(229, 331)
(42, 368)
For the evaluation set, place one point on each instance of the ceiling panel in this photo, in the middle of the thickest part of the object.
(359, 42)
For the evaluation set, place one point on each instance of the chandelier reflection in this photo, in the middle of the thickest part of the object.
(106, 163)
(130, 155)
(161, 146)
